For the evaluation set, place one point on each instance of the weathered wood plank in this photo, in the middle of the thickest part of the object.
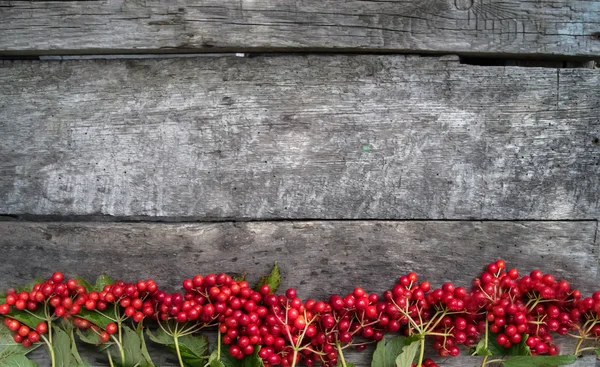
(317, 257)
(324, 137)
(561, 27)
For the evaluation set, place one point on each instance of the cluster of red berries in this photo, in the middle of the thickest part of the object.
(287, 330)
(530, 306)
(23, 334)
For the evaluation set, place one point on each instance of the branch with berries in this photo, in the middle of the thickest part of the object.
(504, 317)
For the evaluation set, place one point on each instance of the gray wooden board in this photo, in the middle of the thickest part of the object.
(560, 27)
(319, 258)
(301, 137)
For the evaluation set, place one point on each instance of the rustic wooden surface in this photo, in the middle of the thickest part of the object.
(535, 28)
(302, 137)
(319, 257)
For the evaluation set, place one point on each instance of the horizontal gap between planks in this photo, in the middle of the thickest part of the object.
(479, 59)
(175, 220)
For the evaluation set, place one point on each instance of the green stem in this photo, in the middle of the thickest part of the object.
(110, 361)
(422, 351)
(341, 354)
(120, 346)
(176, 339)
(578, 346)
(219, 345)
(50, 350)
(295, 358)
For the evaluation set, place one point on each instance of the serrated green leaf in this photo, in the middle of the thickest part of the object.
(61, 345)
(539, 361)
(18, 360)
(495, 348)
(29, 286)
(99, 318)
(76, 359)
(405, 359)
(147, 362)
(254, 360)
(132, 348)
(385, 354)
(29, 318)
(102, 281)
(88, 336)
(193, 349)
(520, 349)
(482, 350)
(8, 347)
(272, 280)
(88, 287)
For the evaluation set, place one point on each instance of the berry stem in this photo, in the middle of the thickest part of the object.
(219, 345)
(579, 344)
(110, 361)
(176, 340)
(422, 351)
(50, 350)
(120, 346)
(294, 358)
(341, 354)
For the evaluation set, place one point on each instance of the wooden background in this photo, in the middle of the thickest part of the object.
(355, 142)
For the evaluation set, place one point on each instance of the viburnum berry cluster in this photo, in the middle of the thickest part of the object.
(503, 311)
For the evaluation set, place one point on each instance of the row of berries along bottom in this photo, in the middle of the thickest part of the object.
(502, 305)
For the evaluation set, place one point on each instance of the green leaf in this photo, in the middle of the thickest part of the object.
(240, 277)
(520, 349)
(347, 364)
(495, 348)
(29, 318)
(255, 361)
(405, 359)
(101, 282)
(272, 280)
(385, 354)
(88, 336)
(132, 348)
(29, 286)
(597, 352)
(99, 318)
(147, 362)
(8, 347)
(88, 287)
(61, 345)
(193, 349)
(481, 350)
(17, 360)
(539, 361)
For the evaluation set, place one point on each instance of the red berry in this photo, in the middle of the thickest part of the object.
(111, 328)
(57, 277)
(42, 328)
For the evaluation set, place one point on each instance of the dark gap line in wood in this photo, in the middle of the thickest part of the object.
(176, 220)
(545, 63)
(474, 58)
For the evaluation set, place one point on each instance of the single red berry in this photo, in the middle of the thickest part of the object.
(42, 328)
(33, 336)
(57, 277)
(111, 328)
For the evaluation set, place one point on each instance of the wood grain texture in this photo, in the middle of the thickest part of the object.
(317, 257)
(561, 27)
(301, 137)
